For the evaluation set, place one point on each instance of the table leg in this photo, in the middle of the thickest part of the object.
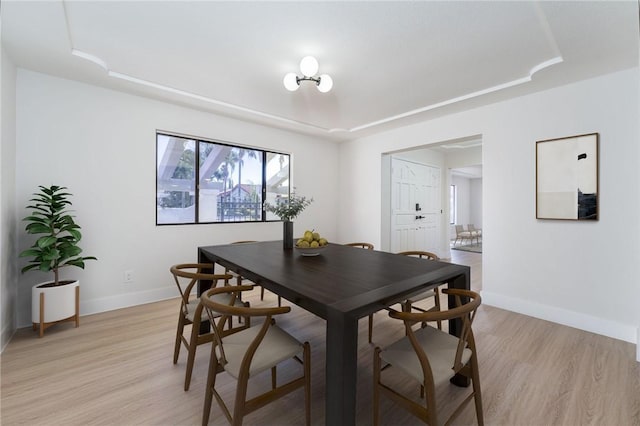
(203, 286)
(341, 369)
(462, 282)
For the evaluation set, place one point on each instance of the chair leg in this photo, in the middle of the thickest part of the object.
(193, 345)
(370, 328)
(430, 400)
(475, 378)
(436, 301)
(262, 297)
(307, 382)
(241, 398)
(176, 349)
(211, 382)
(273, 377)
(376, 384)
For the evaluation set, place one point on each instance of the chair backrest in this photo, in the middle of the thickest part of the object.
(459, 229)
(421, 254)
(367, 246)
(223, 312)
(471, 227)
(187, 275)
(466, 305)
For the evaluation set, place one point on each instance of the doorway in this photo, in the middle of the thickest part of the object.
(449, 159)
(415, 206)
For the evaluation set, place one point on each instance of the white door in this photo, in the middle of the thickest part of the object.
(415, 206)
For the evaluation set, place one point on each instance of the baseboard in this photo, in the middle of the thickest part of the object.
(126, 300)
(5, 337)
(88, 307)
(577, 320)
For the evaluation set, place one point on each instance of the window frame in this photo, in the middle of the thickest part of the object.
(264, 153)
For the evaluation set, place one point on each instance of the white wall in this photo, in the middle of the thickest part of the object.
(8, 270)
(583, 274)
(463, 199)
(101, 144)
(475, 195)
(456, 159)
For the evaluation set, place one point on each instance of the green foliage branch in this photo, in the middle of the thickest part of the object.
(288, 208)
(58, 245)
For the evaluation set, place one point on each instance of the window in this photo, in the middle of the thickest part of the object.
(453, 204)
(231, 186)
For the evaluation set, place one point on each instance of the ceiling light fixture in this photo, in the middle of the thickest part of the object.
(309, 68)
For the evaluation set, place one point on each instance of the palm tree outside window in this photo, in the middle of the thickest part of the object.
(233, 181)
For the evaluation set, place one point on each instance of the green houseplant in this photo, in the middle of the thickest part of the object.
(287, 209)
(55, 248)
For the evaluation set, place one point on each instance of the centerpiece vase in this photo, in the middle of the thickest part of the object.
(287, 234)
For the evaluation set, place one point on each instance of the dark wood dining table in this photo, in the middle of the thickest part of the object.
(340, 285)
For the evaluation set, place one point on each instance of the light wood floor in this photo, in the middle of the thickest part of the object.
(116, 369)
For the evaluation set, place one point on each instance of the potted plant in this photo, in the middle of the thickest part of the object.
(287, 209)
(58, 300)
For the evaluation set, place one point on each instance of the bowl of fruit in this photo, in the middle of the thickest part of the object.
(311, 244)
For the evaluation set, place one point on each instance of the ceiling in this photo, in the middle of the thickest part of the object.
(392, 63)
(470, 172)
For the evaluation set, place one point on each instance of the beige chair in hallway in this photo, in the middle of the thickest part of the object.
(431, 357)
(462, 235)
(475, 232)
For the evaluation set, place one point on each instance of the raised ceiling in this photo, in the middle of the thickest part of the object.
(392, 63)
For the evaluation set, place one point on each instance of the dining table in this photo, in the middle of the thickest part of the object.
(340, 284)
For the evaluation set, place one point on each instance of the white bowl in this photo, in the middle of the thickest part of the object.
(310, 251)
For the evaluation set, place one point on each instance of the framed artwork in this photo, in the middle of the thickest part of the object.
(567, 178)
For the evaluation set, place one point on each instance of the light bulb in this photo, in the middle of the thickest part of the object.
(326, 83)
(291, 82)
(309, 66)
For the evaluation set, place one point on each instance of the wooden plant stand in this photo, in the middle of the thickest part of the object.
(42, 326)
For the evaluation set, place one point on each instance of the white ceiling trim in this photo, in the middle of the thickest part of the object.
(115, 74)
(577, 40)
(195, 96)
(541, 66)
(102, 64)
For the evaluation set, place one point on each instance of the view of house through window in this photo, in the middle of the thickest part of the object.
(452, 204)
(231, 186)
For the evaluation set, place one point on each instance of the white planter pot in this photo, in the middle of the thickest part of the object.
(59, 302)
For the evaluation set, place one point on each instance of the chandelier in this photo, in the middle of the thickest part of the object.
(309, 68)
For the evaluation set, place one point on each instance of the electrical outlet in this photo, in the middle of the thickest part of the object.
(128, 276)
